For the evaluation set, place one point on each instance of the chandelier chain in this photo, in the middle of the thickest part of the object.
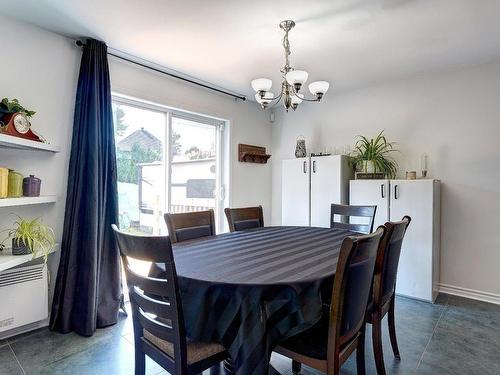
(286, 46)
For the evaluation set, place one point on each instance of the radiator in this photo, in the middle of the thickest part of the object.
(23, 296)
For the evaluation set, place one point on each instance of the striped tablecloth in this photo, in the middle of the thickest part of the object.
(249, 290)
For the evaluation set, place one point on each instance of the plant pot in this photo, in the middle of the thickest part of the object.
(367, 166)
(20, 248)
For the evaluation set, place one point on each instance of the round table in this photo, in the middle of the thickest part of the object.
(249, 290)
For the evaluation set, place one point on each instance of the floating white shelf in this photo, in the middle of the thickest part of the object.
(26, 201)
(8, 141)
(7, 260)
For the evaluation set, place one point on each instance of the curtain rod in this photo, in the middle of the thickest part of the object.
(79, 43)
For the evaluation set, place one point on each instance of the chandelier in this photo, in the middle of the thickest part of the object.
(291, 84)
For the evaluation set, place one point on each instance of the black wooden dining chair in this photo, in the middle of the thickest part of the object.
(190, 225)
(157, 311)
(384, 289)
(353, 211)
(244, 218)
(328, 344)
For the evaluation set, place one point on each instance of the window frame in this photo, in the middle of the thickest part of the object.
(222, 148)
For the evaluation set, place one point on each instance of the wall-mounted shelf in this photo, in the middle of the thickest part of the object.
(8, 141)
(26, 201)
(252, 154)
(7, 260)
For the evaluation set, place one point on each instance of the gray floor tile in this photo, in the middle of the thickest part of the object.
(459, 353)
(473, 307)
(102, 359)
(8, 363)
(483, 326)
(26, 334)
(44, 347)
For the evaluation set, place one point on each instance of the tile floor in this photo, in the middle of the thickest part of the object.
(453, 336)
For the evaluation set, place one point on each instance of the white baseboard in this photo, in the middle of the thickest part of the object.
(470, 293)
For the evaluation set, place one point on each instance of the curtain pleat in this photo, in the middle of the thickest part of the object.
(88, 289)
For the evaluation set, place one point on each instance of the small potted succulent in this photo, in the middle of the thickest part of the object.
(374, 155)
(30, 236)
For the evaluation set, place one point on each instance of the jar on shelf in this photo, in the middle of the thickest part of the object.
(31, 186)
(4, 182)
(15, 188)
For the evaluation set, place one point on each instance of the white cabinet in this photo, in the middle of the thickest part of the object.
(374, 191)
(418, 272)
(329, 179)
(310, 186)
(295, 192)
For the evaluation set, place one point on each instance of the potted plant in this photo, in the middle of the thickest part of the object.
(13, 106)
(374, 155)
(31, 236)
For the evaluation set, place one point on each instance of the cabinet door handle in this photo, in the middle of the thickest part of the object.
(305, 167)
(396, 191)
(314, 166)
(382, 190)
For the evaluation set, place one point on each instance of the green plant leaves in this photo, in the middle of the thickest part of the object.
(378, 150)
(13, 106)
(35, 235)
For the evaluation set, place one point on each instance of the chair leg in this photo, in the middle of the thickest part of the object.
(360, 353)
(296, 367)
(377, 344)
(392, 329)
(140, 362)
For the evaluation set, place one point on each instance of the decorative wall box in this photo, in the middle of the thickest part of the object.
(369, 176)
(252, 154)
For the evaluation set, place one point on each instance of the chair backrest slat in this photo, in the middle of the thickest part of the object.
(190, 225)
(353, 211)
(159, 329)
(154, 306)
(151, 285)
(386, 268)
(244, 218)
(155, 302)
(351, 287)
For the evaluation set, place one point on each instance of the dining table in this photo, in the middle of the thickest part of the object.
(252, 289)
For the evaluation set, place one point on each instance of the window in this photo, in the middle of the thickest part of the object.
(168, 161)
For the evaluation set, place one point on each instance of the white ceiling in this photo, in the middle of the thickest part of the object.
(347, 42)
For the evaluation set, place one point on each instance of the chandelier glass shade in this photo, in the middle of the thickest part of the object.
(292, 83)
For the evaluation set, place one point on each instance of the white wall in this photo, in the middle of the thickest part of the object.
(250, 183)
(41, 70)
(453, 116)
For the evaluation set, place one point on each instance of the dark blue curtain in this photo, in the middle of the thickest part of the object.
(88, 289)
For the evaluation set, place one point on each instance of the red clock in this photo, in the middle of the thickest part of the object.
(18, 125)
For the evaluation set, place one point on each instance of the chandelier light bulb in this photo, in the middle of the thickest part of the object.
(261, 85)
(296, 78)
(265, 99)
(319, 88)
(297, 98)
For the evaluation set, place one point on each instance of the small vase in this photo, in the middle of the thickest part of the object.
(19, 247)
(300, 148)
